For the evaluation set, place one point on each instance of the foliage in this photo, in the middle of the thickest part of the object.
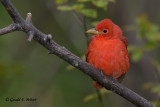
(150, 33)
(95, 95)
(82, 6)
(61, 1)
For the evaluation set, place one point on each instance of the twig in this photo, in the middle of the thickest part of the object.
(72, 59)
(29, 18)
(100, 97)
(8, 29)
(77, 17)
(82, 22)
(85, 29)
(31, 35)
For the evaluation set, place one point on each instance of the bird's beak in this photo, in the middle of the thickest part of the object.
(93, 31)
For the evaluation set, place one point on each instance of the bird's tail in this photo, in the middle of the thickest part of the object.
(97, 86)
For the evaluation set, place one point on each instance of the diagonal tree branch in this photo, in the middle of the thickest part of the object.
(45, 40)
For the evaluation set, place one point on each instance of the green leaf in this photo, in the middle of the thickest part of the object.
(137, 55)
(61, 1)
(136, 51)
(83, 57)
(84, 0)
(144, 26)
(90, 97)
(132, 48)
(70, 67)
(150, 46)
(94, 23)
(89, 12)
(156, 90)
(156, 103)
(95, 95)
(100, 3)
(64, 8)
(110, 0)
(148, 86)
(78, 7)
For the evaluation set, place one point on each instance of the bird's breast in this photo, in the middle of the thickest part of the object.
(111, 56)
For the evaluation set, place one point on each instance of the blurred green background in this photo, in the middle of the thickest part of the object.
(27, 71)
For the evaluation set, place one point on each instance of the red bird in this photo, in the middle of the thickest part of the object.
(107, 50)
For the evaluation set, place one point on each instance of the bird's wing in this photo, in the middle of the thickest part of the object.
(87, 53)
(124, 40)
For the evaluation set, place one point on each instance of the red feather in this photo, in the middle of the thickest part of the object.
(108, 51)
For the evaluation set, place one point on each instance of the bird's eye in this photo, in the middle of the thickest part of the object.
(105, 31)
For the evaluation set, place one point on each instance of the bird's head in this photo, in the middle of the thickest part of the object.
(106, 28)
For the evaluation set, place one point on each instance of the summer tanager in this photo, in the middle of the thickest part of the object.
(107, 50)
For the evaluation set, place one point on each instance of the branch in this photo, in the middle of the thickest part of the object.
(45, 40)
(11, 28)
